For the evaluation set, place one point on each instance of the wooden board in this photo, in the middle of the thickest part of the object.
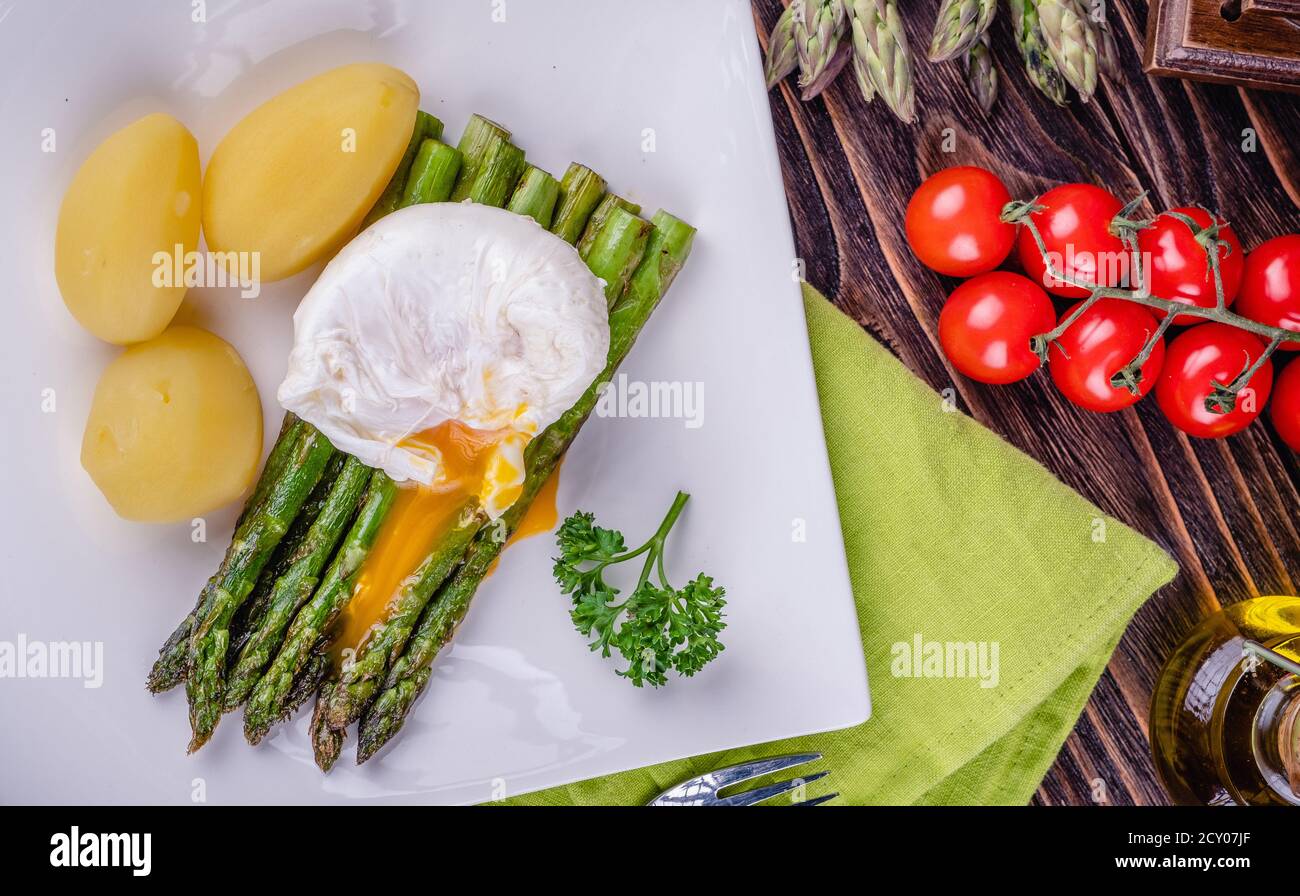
(1255, 43)
(1287, 8)
(1227, 511)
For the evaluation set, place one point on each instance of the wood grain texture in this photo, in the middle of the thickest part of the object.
(1225, 510)
(1230, 41)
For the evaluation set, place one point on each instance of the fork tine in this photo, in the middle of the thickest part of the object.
(817, 801)
(750, 797)
(734, 774)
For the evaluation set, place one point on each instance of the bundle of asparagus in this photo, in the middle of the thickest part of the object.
(1064, 43)
(259, 635)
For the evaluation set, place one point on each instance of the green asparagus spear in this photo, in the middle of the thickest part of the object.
(269, 699)
(210, 638)
(1041, 69)
(580, 192)
(173, 657)
(817, 28)
(433, 174)
(326, 742)
(363, 673)
(615, 247)
(535, 197)
(782, 55)
(959, 25)
(669, 245)
(479, 133)
(982, 74)
(426, 128)
(597, 219)
(1071, 42)
(308, 682)
(252, 611)
(502, 166)
(297, 583)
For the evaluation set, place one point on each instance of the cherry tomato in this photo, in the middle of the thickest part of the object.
(1270, 286)
(953, 225)
(1075, 226)
(1105, 339)
(1285, 406)
(1212, 352)
(986, 325)
(1176, 267)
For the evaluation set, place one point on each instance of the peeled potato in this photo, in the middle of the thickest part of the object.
(175, 429)
(136, 195)
(294, 178)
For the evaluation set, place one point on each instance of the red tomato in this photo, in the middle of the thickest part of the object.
(1270, 286)
(1105, 339)
(953, 225)
(986, 325)
(1075, 226)
(1176, 267)
(1213, 352)
(1285, 406)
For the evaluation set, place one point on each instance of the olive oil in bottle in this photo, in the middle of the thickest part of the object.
(1225, 716)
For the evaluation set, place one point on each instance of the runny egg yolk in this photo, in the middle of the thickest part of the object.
(472, 466)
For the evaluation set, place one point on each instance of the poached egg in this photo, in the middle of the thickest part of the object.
(441, 340)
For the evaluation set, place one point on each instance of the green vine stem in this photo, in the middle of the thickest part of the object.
(1125, 227)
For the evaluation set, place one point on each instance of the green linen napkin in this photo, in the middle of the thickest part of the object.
(952, 535)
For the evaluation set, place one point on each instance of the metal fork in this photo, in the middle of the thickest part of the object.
(703, 791)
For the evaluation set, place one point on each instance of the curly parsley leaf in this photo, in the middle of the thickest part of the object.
(657, 628)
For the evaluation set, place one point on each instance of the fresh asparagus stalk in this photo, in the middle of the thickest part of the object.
(581, 190)
(594, 224)
(298, 582)
(1070, 41)
(536, 196)
(433, 174)
(615, 248)
(173, 657)
(669, 245)
(210, 639)
(479, 133)
(253, 610)
(426, 128)
(982, 74)
(959, 25)
(1042, 71)
(782, 54)
(502, 166)
(326, 742)
(275, 461)
(309, 681)
(270, 697)
(881, 58)
(362, 675)
(818, 26)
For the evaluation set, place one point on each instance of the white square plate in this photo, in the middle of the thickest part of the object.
(666, 100)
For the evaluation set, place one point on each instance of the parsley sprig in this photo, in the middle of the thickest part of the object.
(657, 627)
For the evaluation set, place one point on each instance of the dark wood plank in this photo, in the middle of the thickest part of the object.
(1226, 511)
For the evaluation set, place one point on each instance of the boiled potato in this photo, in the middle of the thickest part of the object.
(136, 195)
(175, 429)
(294, 178)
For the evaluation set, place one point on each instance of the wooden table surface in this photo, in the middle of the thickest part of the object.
(1226, 510)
